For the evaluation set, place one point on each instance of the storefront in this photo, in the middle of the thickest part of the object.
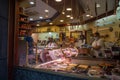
(57, 52)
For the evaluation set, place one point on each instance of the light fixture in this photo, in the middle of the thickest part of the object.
(41, 17)
(31, 2)
(69, 9)
(46, 16)
(31, 19)
(50, 33)
(67, 15)
(46, 10)
(51, 23)
(98, 5)
(91, 16)
(37, 24)
(63, 12)
(71, 17)
(87, 15)
(58, 0)
(61, 20)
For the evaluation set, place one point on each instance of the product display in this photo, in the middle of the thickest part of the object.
(69, 52)
(53, 65)
(60, 60)
(56, 54)
(116, 74)
(65, 65)
(24, 25)
(51, 45)
(95, 71)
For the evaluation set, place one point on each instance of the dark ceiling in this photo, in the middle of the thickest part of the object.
(77, 10)
(80, 8)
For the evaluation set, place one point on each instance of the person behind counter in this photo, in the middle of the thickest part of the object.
(97, 45)
(81, 41)
(31, 45)
(51, 43)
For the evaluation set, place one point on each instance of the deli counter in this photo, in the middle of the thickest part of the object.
(64, 64)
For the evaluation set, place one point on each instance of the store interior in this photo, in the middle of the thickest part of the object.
(62, 35)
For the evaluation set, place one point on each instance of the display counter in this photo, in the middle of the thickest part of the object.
(62, 69)
(25, 73)
(64, 64)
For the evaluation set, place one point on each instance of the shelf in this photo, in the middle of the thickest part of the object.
(23, 22)
(23, 15)
(25, 28)
(21, 35)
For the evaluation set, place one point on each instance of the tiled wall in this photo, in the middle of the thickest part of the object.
(3, 38)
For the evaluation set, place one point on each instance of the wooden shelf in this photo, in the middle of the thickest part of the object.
(23, 24)
(21, 35)
(23, 15)
(25, 28)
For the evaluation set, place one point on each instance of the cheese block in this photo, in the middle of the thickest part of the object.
(72, 64)
(95, 67)
(83, 66)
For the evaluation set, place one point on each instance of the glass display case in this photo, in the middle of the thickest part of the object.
(69, 60)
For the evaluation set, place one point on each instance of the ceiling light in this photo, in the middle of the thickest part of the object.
(58, 0)
(91, 16)
(51, 23)
(46, 10)
(97, 5)
(46, 16)
(31, 2)
(50, 33)
(87, 15)
(67, 15)
(63, 12)
(71, 17)
(41, 17)
(69, 9)
(37, 24)
(61, 20)
(31, 19)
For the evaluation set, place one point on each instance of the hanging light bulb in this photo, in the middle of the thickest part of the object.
(41, 17)
(91, 16)
(51, 23)
(31, 19)
(71, 17)
(67, 15)
(61, 20)
(88, 15)
(63, 12)
(69, 9)
(46, 10)
(58, 0)
(37, 24)
(31, 3)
